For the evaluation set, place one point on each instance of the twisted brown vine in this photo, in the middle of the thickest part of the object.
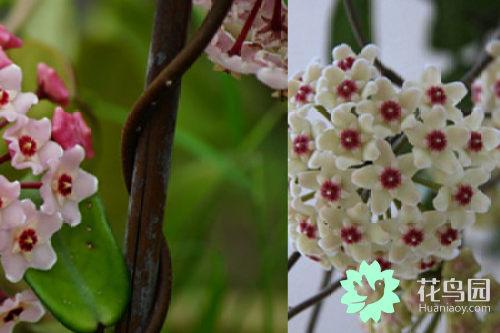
(147, 141)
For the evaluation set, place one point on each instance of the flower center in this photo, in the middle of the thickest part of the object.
(331, 191)
(350, 139)
(390, 178)
(346, 63)
(64, 185)
(436, 140)
(27, 240)
(476, 93)
(448, 236)
(308, 229)
(301, 144)
(304, 93)
(390, 111)
(13, 314)
(463, 195)
(346, 89)
(413, 237)
(496, 89)
(436, 95)
(425, 265)
(4, 97)
(350, 234)
(384, 264)
(475, 142)
(27, 145)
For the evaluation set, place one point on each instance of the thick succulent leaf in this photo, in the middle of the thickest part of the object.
(88, 286)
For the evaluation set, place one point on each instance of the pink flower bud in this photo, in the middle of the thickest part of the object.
(51, 86)
(70, 129)
(8, 40)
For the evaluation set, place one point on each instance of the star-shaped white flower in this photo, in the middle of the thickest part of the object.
(434, 141)
(388, 178)
(24, 306)
(302, 87)
(13, 102)
(344, 57)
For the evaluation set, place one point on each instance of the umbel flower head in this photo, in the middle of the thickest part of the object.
(409, 156)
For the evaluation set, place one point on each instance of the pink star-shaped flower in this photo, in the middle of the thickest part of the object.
(25, 306)
(65, 185)
(13, 102)
(70, 129)
(11, 210)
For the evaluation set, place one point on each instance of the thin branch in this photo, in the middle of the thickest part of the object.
(416, 323)
(293, 259)
(483, 61)
(313, 320)
(293, 311)
(434, 323)
(355, 22)
(166, 78)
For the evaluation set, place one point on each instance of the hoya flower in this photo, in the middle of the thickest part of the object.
(65, 185)
(388, 178)
(24, 306)
(8, 40)
(332, 187)
(253, 40)
(336, 86)
(51, 86)
(449, 241)
(11, 210)
(302, 150)
(483, 141)
(349, 139)
(344, 57)
(387, 107)
(413, 234)
(436, 93)
(302, 87)
(460, 195)
(12, 101)
(351, 231)
(27, 243)
(434, 142)
(70, 129)
(30, 145)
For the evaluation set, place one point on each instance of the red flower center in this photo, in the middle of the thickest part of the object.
(436, 95)
(27, 240)
(475, 142)
(64, 185)
(390, 111)
(1, 203)
(448, 236)
(27, 145)
(350, 139)
(476, 93)
(463, 195)
(436, 140)
(331, 191)
(413, 237)
(350, 234)
(496, 89)
(346, 63)
(314, 258)
(425, 265)
(303, 94)
(346, 89)
(390, 178)
(13, 314)
(308, 229)
(301, 144)
(4, 97)
(384, 264)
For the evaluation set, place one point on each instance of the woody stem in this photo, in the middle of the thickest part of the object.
(238, 44)
(293, 311)
(276, 19)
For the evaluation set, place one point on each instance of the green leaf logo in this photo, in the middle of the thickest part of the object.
(370, 291)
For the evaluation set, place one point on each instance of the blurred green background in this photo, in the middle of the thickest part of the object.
(225, 216)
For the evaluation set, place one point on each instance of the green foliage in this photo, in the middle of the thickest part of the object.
(88, 285)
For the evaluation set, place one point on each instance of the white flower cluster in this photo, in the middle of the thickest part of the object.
(378, 172)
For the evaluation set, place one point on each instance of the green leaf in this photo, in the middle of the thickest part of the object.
(88, 286)
(341, 31)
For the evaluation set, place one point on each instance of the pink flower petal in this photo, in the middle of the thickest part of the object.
(51, 86)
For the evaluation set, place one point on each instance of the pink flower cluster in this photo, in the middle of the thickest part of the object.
(52, 150)
(253, 40)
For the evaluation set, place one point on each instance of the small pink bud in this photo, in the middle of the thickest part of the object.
(4, 59)
(8, 40)
(70, 129)
(51, 86)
